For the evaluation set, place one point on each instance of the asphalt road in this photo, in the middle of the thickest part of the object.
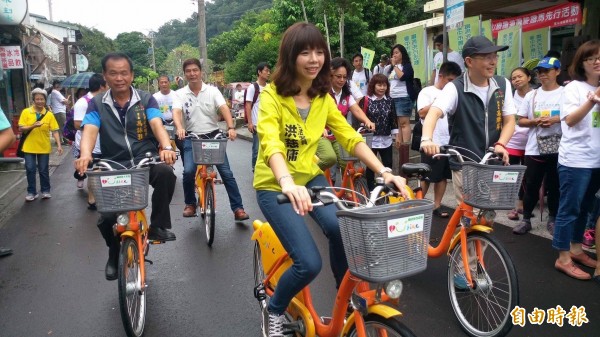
(54, 283)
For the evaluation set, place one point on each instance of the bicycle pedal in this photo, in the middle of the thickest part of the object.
(156, 242)
(149, 261)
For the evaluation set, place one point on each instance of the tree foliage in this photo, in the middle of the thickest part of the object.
(135, 45)
(174, 59)
(94, 44)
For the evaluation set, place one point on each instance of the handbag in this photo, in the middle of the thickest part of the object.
(546, 144)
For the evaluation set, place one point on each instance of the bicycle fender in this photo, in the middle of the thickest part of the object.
(474, 228)
(128, 234)
(382, 310)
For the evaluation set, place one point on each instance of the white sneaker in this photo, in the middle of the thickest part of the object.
(275, 328)
(80, 183)
(46, 195)
(31, 197)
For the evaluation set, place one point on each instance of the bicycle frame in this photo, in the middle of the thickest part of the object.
(275, 261)
(350, 174)
(203, 177)
(138, 231)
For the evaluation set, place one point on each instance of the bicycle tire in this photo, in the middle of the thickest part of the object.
(259, 273)
(132, 299)
(374, 324)
(484, 311)
(209, 214)
(362, 189)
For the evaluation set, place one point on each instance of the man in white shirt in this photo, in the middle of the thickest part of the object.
(58, 104)
(440, 168)
(381, 67)
(251, 105)
(199, 105)
(475, 98)
(452, 56)
(165, 97)
(360, 75)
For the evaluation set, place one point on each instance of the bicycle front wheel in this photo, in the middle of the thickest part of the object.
(209, 214)
(362, 190)
(377, 326)
(484, 309)
(132, 298)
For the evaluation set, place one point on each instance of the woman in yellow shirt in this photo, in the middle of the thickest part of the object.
(293, 112)
(37, 123)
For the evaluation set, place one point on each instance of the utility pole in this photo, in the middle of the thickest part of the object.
(202, 35)
(50, 9)
(151, 36)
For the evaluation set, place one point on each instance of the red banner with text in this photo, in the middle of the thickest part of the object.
(555, 16)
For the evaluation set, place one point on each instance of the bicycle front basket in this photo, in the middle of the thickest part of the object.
(209, 151)
(491, 186)
(388, 242)
(121, 190)
(345, 156)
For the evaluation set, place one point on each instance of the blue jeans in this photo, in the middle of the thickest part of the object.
(577, 189)
(404, 106)
(37, 162)
(298, 242)
(189, 174)
(255, 144)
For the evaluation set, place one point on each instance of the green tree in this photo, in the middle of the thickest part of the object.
(262, 48)
(136, 46)
(174, 60)
(95, 44)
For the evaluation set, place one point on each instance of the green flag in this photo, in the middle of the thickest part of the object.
(457, 37)
(511, 58)
(486, 29)
(535, 43)
(414, 41)
(368, 57)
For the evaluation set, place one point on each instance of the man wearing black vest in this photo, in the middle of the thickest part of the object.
(130, 125)
(479, 107)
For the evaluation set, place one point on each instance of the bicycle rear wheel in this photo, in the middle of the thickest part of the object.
(377, 326)
(209, 213)
(132, 298)
(259, 274)
(484, 310)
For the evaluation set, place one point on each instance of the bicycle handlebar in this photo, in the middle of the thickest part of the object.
(219, 135)
(105, 163)
(450, 151)
(321, 197)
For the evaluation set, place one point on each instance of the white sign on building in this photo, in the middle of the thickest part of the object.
(455, 13)
(11, 57)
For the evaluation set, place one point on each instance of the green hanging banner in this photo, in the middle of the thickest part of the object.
(535, 43)
(457, 37)
(510, 58)
(414, 41)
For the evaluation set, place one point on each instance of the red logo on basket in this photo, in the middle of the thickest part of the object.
(116, 180)
(392, 228)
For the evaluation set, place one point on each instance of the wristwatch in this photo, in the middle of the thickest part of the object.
(231, 128)
(384, 170)
(168, 148)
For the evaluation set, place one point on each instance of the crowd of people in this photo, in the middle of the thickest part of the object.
(309, 109)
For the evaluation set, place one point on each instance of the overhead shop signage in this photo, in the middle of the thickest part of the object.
(11, 57)
(555, 16)
(455, 13)
(12, 12)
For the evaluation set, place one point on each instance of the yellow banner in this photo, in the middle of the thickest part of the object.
(368, 57)
(510, 58)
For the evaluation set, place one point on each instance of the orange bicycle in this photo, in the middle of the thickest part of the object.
(482, 279)
(382, 244)
(206, 153)
(353, 187)
(125, 192)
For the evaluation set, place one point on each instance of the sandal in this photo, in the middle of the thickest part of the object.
(439, 213)
(513, 214)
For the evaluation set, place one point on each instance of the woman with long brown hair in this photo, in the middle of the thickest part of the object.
(294, 110)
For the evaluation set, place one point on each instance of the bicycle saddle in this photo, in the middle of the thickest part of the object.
(415, 169)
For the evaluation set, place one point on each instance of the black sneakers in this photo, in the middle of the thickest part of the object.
(160, 234)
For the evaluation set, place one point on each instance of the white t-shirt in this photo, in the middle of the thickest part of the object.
(165, 104)
(378, 69)
(453, 56)
(56, 102)
(441, 134)
(250, 97)
(200, 113)
(397, 87)
(519, 139)
(580, 144)
(79, 110)
(355, 91)
(547, 104)
(448, 100)
(238, 96)
(360, 79)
